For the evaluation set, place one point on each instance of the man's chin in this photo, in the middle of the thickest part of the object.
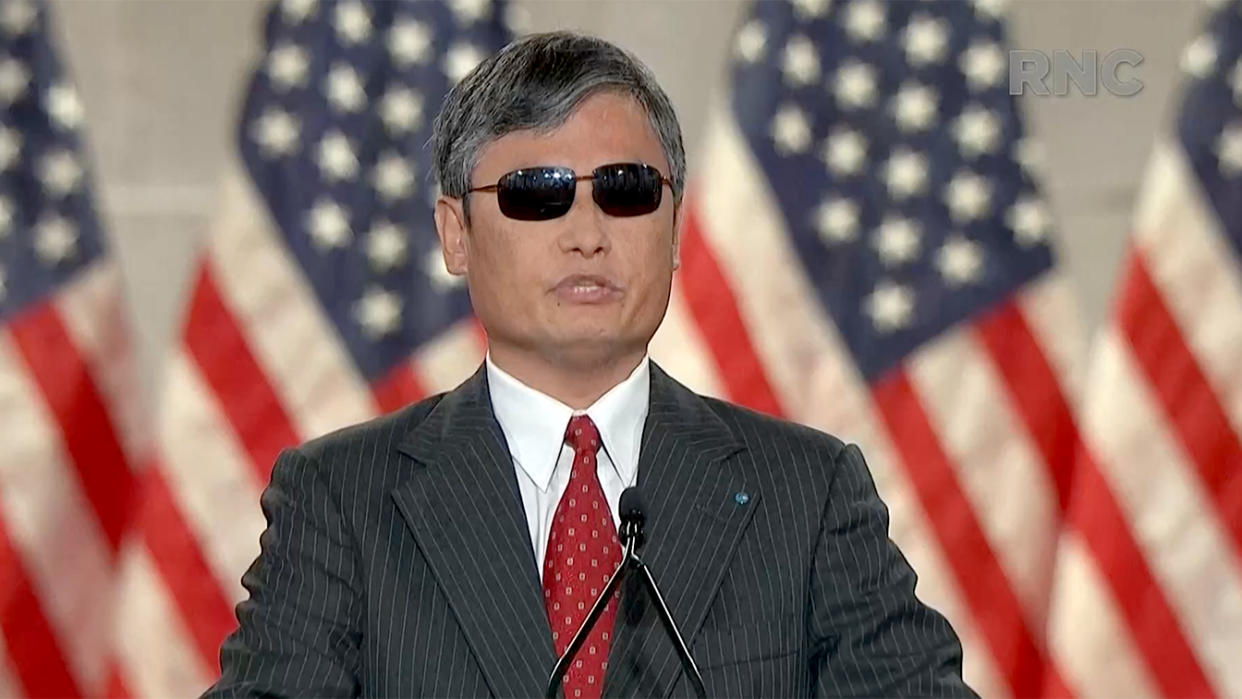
(593, 349)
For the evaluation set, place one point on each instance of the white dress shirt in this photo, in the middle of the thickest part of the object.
(534, 426)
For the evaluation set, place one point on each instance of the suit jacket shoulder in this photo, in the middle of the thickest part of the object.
(767, 429)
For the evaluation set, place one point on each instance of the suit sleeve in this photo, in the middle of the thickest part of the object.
(298, 632)
(871, 636)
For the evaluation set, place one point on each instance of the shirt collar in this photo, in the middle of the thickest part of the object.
(534, 423)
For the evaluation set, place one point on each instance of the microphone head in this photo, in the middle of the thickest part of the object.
(631, 506)
(633, 518)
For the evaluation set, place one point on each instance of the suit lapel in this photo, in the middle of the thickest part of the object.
(697, 510)
(463, 505)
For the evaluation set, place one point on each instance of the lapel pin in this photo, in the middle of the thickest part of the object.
(741, 498)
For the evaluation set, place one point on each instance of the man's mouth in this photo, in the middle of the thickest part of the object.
(586, 288)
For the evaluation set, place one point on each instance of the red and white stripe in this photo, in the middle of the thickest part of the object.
(1088, 633)
(154, 648)
(289, 338)
(70, 415)
(9, 686)
(1162, 415)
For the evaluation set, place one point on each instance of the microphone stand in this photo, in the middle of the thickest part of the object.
(631, 535)
(687, 661)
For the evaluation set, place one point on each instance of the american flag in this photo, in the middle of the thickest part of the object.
(866, 251)
(69, 416)
(321, 300)
(1159, 610)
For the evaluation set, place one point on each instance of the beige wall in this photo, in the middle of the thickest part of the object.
(161, 82)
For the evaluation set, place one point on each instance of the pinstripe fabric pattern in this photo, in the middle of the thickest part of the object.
(396, 562)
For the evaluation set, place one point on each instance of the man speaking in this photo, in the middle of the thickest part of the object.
(454, 548)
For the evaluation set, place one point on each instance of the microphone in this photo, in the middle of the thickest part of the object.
(632, 516)
(632, 536)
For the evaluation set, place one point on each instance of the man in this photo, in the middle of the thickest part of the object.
(453, 547)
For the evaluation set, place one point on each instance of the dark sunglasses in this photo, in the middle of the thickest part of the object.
(543, 193)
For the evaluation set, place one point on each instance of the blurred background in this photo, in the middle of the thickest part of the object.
(1026, 310)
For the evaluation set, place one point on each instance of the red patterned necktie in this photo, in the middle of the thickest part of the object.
(583, 551)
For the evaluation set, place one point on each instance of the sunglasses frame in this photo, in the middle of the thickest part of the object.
(575, 178)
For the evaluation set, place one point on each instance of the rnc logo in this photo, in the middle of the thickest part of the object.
(1029, 69)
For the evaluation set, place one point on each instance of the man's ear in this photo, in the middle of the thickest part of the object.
(677, 236)
(451, 226)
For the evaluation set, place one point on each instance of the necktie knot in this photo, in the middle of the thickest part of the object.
(582, 435)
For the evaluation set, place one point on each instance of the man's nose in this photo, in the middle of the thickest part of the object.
(584, 226)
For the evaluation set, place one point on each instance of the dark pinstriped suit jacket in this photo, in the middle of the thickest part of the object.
(397, 562)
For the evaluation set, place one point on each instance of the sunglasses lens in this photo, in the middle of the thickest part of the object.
(536, 194)
(627, 189)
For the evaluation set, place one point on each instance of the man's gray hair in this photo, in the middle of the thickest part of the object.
(536, 83)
